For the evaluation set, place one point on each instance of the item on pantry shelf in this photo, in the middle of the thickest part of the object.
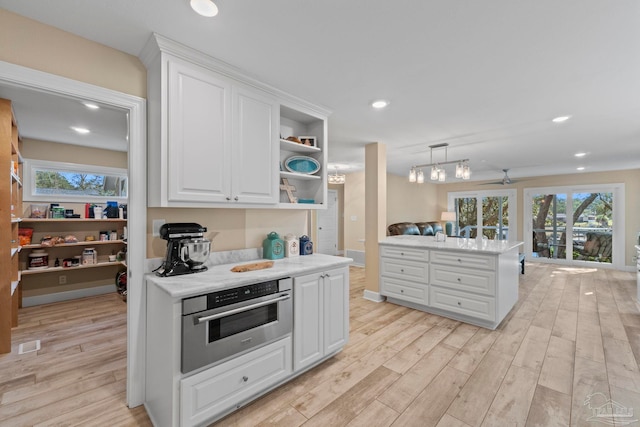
(291, 247)
(70, 239)
(112, 258)
(113, 235)
(38, 211)
(89, 256)
(25, 235)
(76, 261)
(273, 246)
(38, 259)
(310, 201)
(56, 263)
(67, 262)
(89, 238)
(294, 139)
(252, 266)
(104, 235)
(52, 241)
(97, 212)
(306, 245)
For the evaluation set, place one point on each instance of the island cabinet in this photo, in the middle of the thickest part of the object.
(320, 316)
(215, 134)
(475, 282)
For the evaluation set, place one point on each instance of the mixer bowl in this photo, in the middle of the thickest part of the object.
(195, 252)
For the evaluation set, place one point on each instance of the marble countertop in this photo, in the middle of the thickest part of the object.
(453, 244)
(219, 277)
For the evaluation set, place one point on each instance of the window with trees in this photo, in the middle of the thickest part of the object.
(489, 214)
(47, 180)
(576, 224)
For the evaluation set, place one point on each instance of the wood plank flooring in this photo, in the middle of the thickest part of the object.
(573, 337)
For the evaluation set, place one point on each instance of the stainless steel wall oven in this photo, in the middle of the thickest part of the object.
(225, 323)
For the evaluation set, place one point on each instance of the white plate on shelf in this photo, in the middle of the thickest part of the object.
(302, 164)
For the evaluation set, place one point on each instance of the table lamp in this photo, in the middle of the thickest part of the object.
(448, 217)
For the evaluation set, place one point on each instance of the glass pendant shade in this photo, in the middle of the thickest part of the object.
(442, 175)
(466, 172)
(337, 179)
(420, 178)
(434, 173)
(459, 169)
(412, 175)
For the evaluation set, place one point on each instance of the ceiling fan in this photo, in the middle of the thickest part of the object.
(505, 180)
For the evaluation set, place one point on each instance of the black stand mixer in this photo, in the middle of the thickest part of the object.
(187, 249)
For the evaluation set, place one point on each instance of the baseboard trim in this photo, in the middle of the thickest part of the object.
(356, 256)
(373, 296)
(67, 295)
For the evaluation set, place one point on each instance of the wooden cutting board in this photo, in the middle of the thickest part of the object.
(252, 266)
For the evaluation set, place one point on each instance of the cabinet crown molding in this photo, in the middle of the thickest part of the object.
(158, 44)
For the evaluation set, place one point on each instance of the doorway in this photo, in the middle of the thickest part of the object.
(19, 77)
(327, 225)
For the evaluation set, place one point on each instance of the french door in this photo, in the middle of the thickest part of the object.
(576, 225)
(489, 214)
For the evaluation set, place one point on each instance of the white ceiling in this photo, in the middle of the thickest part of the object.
(486, 77)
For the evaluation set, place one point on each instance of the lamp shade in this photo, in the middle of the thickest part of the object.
(448, 216)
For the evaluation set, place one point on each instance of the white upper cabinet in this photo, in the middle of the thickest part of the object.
(214, 134)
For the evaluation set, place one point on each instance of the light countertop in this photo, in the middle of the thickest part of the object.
(453, 244)
(220, 277)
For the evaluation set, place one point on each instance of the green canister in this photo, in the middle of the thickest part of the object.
(273, 246)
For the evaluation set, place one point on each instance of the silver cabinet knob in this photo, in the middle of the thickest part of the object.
(459, 280)
(228, 198)
(245, 378)
(459, 303)
(235, 198)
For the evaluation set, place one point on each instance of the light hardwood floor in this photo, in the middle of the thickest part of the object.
(573, 337)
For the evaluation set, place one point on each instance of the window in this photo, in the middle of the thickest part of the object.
(70, 182)
(485, 213)
(576, 225)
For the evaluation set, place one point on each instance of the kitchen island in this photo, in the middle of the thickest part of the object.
(471, 280)
(312, 297)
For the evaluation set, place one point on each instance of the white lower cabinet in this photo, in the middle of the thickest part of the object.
(476, 288)
(226, 386)
(320, 316)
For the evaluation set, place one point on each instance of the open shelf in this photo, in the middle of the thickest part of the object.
(80, 267)
(37, 220)
(65, 245)
(301, 176)
(298, 148)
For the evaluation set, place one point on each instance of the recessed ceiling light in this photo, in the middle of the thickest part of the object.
(580, 154)
(580, 168)
(80, 130)
(380, 103)
(561, 119)
(204, 7)
(91, 106)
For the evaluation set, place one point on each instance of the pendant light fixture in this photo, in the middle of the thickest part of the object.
(438, 172)
(336, 178)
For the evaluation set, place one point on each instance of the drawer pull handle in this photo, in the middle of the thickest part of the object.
(459, 280)
(245, 378)
(459, 303)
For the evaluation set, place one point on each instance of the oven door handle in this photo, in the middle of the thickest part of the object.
(198, 320)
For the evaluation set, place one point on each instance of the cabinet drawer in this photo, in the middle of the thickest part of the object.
(407, 291)
(464, 279)
(464, 260)
(412, 254)
(211, 392)
(402, 269)
(477, 306)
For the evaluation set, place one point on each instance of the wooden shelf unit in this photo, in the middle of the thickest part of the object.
(10, 211)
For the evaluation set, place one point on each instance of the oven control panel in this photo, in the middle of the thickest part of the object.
(243, 293)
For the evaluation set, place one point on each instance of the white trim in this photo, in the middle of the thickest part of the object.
(358, 257)
(30, 166)
(27, 78)
(68, 295)
(618, 250)
(373, 296)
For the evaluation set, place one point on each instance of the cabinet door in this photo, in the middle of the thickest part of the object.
(336, 309)
(308, 319)
(255, 176)
(198, 130)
